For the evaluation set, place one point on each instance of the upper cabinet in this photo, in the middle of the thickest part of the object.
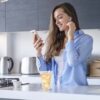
(2, 17)
(25, 15)
(21, 15)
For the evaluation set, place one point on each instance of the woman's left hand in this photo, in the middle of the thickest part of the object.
(71, 30)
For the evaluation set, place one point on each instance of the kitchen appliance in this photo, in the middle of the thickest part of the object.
(28, 66)
(6, 65)
(5, 82)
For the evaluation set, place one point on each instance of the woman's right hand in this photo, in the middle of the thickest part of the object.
(38, 44)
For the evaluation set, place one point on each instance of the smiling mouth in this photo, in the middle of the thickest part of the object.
(60, 25)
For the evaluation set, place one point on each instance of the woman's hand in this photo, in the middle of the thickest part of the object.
(71, 30)
(38, 44)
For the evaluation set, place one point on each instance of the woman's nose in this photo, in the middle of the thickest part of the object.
(57, 22)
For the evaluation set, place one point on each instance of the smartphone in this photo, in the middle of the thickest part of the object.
(35, 35)
(33, 31)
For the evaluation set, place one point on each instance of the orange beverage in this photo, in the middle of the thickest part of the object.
(45, 80)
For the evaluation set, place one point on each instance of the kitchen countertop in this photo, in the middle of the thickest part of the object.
(34, 91)
(36, 78)
(17, 75)
(23, 78)
(35, 75)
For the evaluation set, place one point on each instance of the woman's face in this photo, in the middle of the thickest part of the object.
(61, 19)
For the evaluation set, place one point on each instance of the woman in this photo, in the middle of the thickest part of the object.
(67, 48)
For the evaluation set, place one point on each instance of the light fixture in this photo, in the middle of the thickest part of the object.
(2, 1)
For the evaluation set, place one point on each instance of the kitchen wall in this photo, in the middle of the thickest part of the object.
(3, 44)
(24, 15)
(19, 44)
(95, 33)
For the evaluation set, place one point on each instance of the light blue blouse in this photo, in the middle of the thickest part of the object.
(76, 55)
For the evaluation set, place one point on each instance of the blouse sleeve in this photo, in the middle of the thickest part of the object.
(77, 56)
(42, 65)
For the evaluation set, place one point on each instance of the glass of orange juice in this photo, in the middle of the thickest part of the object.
(45, 79)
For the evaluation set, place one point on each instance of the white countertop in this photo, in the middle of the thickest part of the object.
(34, 91)
(36, 78)
(24, 78)
(16, 75)
(31, 91)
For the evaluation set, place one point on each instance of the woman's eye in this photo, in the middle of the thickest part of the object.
(60, 17)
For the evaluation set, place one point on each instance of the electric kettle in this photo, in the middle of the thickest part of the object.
(6, 65)
(28, 66)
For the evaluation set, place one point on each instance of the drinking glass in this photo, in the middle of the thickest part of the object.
(45, 79)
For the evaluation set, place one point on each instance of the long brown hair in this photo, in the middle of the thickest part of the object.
(55, 39)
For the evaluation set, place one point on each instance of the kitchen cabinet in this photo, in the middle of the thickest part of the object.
(24, 15)
(19, 15)
(21, 20)
(2, 17)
